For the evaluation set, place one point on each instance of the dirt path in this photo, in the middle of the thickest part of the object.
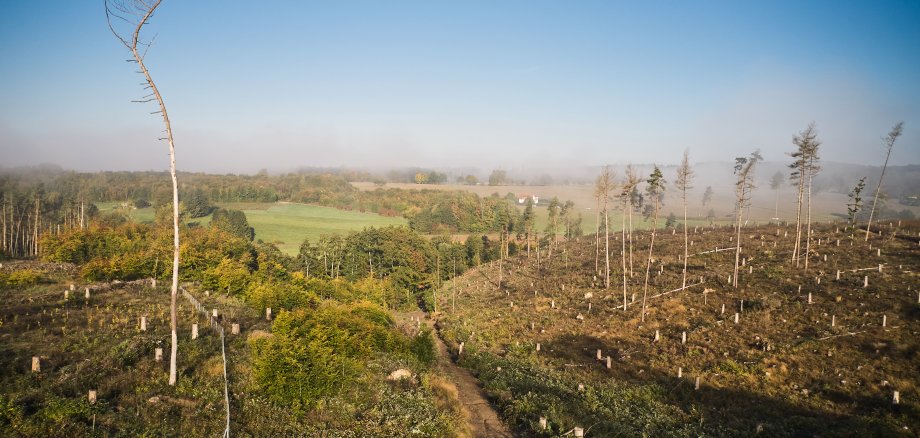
(483, 420)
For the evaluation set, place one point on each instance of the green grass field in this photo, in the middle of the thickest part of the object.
(287, 224)
(284, 224)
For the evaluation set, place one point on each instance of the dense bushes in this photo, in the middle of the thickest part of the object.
(324, 351)
(20, 278)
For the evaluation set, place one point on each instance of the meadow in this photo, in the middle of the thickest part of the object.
(283, 223)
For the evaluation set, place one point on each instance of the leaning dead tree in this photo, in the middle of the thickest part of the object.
(744, 185)
(126, 19)
(889, 144)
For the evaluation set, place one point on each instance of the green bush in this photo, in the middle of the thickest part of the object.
(322, 352)
(20, 278)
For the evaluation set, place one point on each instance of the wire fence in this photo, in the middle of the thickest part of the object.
(216, 326)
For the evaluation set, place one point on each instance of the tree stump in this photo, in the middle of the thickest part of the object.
(195, 331)
(235, 329)
(158, 355)
(36, 364)
(91, 396)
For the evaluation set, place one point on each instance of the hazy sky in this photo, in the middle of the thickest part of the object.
(435, 83)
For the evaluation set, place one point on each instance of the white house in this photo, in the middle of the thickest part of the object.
(523, 198)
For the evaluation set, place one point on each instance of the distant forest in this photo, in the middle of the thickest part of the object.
(46, 199)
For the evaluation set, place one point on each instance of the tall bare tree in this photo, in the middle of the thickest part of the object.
(744, 185)
(889, 140)
(629, 186)
(655, 189)
(812, 170)
(776, 182)
(598, 194)
(625, 193)
(806, 146)
(605, 184)
(126, 19)
(684, 177)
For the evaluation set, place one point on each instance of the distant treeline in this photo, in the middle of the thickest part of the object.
(38, 201)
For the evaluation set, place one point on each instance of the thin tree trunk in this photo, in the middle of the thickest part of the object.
(606, 244)
(623, 253)
(798, 216)
(808, 230)
(738, 238)
(686, 242)
(597, 233)
(630, 232)
(878, 189)
(648, 266)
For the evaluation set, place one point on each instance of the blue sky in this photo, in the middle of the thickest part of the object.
(435, 83)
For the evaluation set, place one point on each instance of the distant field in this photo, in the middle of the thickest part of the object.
(136, 214)
(285, 224)
(288, 224)
(763, 208)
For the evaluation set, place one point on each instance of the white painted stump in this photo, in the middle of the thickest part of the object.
(195, 331)
(36, 364)
(91, 396)
(158, 355)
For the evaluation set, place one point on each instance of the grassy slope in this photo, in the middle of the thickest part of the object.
(775, 370)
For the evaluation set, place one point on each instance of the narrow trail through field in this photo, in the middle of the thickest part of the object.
(483, 420)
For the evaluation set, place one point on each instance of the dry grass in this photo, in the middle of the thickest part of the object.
(782, 366)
